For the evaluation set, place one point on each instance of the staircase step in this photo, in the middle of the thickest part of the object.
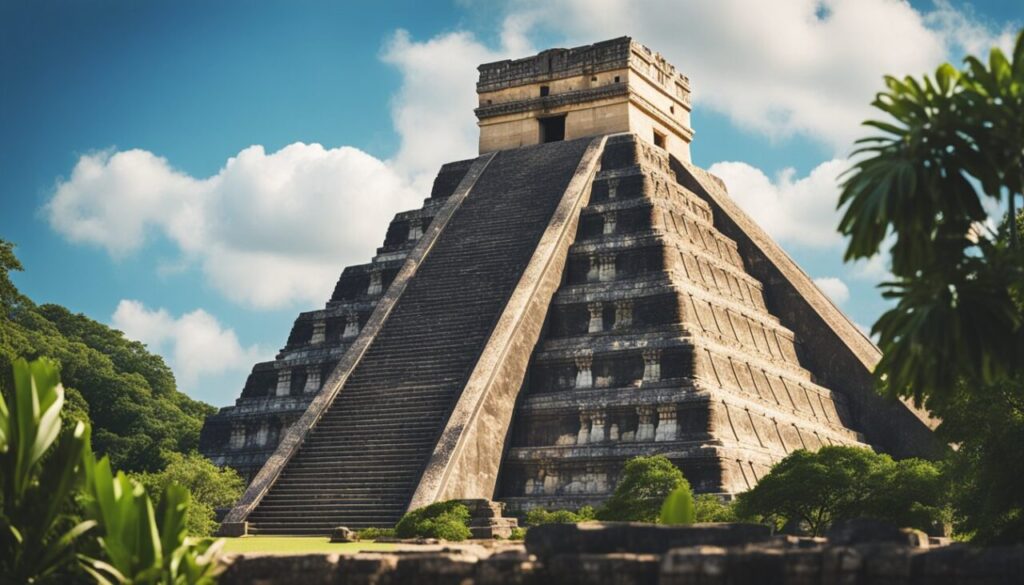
(359, 465)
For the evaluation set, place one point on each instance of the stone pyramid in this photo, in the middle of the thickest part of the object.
(578, 295)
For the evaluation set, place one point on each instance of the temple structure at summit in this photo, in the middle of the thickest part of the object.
(575, 296)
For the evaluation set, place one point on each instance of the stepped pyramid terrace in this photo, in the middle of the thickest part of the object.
(577, 295)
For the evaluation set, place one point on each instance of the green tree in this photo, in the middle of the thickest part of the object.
(954, 142)
(810, 491)
(984, 471)
(9, 295)
(211, 487)
(954, 341)
(709, 508)
(643, 487)
(127, 393)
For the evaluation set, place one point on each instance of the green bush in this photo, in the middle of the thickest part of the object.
(445, 520)
(710, 508)
(375, 533)
(538, 516)
(645, 483)
(211, 487)
(810, 491)
(517, 533)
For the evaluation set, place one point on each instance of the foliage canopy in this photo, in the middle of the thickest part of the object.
(127, 393)
(808, 492)
(211, 487)
(643, 487)
(954, 143)
(539, 516)
(951, 151)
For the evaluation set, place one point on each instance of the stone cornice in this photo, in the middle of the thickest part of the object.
(555, 64)
(618, 53)
(553, 101)
(582, 96)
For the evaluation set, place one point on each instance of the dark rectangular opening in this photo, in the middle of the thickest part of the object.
(552, 129)
(544, 90)
(659, 139)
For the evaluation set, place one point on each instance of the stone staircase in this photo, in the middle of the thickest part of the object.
(360, 464)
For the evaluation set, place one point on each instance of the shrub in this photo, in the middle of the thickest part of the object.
(645, 483)
(518, 533)
(446, 520)
(211, 487)
(710, 508)
(538, 516)
(810, 491)
(375, 533)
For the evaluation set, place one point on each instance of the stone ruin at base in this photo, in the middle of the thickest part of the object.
(577, 295)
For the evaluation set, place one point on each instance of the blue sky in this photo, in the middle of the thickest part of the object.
(119, 118)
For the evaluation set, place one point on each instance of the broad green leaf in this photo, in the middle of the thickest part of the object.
(946, 76)
(49, 424)
(678, 507)
(5, 426)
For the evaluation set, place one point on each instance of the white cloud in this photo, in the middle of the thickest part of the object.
(800, 211)
(112, 199)
(834, 288)
(961, 29)
(433, 109)
(272, 229)
(266, 230)
(806, 67)
(874, 269)
(195, 344)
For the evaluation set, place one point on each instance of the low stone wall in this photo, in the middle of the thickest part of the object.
(626, 554)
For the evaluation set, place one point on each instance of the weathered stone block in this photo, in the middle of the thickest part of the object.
(316, 569)
(699, 565)
(866, 530)
(802, 567)
(433, 568)
(601, 569)
(366, 569)
(609, 537)
(842, 565)
(513, 567)
(1002, 565)
(343, 534)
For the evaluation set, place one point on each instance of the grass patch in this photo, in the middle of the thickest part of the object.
(290, 545)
